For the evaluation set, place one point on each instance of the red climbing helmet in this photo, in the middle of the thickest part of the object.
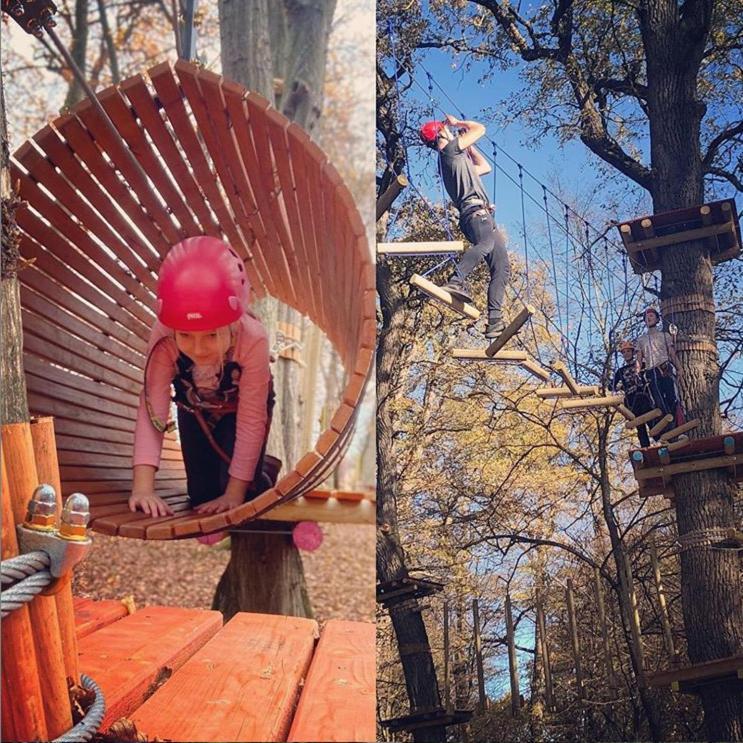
(429, 132)
(202, 285)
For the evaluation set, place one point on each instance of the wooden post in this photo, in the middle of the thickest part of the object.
(549, 697)
(23, 709)
(50, 669)
(665, 618)
(447, 656)
(601, 608)
(512, 660)
(47, 467)
(634, 620)
(573, 628)
(313, 343)
(384, 202)
(478, 657)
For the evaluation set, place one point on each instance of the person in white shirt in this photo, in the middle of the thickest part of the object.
(657, 355)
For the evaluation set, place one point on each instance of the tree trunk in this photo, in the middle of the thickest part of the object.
(407, 621)
(247, 57)
(78, 52)
(711, 591)
(13, 401)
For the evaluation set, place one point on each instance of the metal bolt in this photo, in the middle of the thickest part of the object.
(42, 509)
(75, 517)
(16, 9)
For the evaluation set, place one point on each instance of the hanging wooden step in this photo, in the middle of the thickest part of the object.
(655, 477)
(690, 679)
(510, 330)
(559, 392)
(664, 422)
(480, 354)
(608, 401)
(651, 415)
(666, 436)
(535, 369)
(716, 223)
(427, 719)
(406, 588)
(421, 248)
(444, 297)
(561, 369)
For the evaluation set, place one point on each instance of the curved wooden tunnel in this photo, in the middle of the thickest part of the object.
(217, 160)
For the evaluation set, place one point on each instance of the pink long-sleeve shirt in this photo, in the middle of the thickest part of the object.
(251, 352)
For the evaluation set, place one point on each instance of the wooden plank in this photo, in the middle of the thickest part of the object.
(91, 615)
(479, 354)
(679, 237)
(730, 667)
(511, 329)
(443, 296)
(246, 680)
(338, 701)
(688, 426)
(418, 248)
(567, 377)
(558, 392)
(128, 658)
(607, 401)
(694, 465)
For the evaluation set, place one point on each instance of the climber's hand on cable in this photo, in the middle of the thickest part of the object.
(149, 503)
(451, 120)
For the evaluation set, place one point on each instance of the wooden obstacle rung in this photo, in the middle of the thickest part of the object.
(666, 435)
(561, 369)
(443, 296)
(661, 424)
(548, 392)
(422, 248)
(644, 418)
(733, 540)
(626, 412)
(607, 401)
(479, 354)
(535, 369)
(510, 330)
(395, 591)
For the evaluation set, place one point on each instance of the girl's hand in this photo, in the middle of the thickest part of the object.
(149, 503)
(451, 120)
(225, 502)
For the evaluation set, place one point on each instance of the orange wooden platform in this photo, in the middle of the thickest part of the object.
(92, 615)
(179, 675)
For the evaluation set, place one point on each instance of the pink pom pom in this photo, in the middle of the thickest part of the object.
(210, 539)
(307, 536)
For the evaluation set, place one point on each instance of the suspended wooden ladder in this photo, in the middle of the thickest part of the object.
(193, 154)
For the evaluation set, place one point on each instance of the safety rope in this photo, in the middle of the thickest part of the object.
(21, 593)
(90, 724)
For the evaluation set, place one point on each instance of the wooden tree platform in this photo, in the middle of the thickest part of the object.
(688, 680)
(655, 477)
(178, 674)
(406, 588)
(427, 719)
(716, 223)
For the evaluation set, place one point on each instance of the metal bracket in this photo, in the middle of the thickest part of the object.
(64, 554)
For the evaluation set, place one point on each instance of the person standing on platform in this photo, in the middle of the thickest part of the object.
(634, 386)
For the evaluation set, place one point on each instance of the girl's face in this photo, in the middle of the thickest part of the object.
(204, 346)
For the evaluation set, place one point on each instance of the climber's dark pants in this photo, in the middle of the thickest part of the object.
(640, 403)
(207, 474)
(663, 390)
(487, 244)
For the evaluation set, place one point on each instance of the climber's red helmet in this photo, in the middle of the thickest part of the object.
(202, 285)
(430, 131)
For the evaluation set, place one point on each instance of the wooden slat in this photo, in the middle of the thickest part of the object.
(591, 402)
(683, 428)
(443, 296)
(479, 354)
(126, 658)
(644, 418)
(248, 677)
(731, 667)
(511, 329)
(338, 701)
(535, 369)
(548, 392)
(567, 377)
(695, 465)
(661, 424)
(428, 248)
(93, 615)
